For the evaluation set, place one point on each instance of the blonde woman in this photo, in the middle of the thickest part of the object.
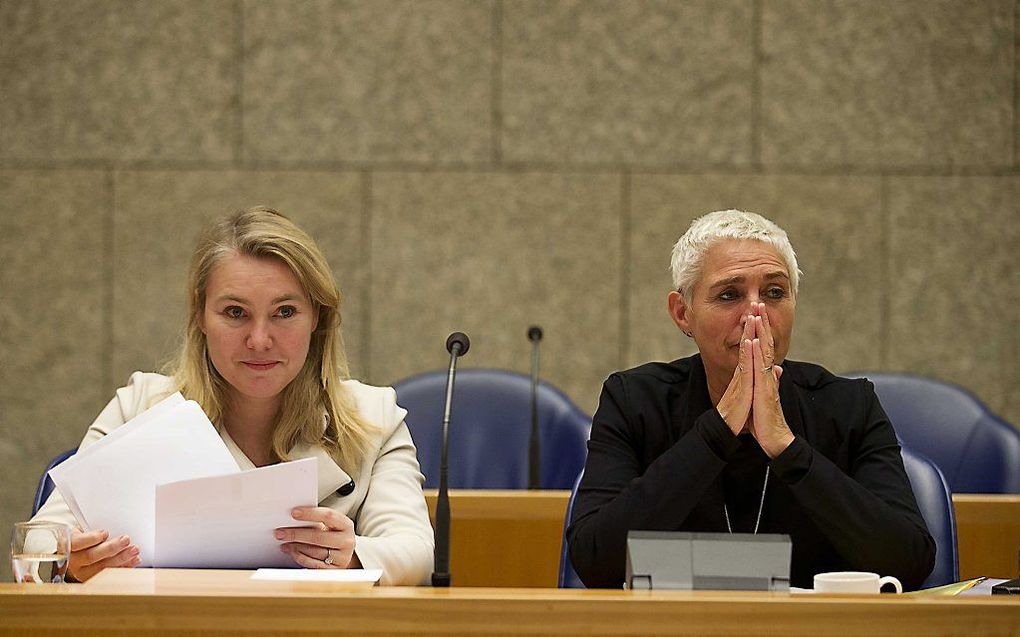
(263, 356)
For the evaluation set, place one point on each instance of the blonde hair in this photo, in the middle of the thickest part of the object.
(316, 392)
(689, 252)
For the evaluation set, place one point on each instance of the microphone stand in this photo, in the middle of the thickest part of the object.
(534, 445)
(457, 344)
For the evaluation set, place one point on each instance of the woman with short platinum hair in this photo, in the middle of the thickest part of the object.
(737, 438)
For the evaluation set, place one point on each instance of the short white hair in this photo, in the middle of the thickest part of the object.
(689, 251)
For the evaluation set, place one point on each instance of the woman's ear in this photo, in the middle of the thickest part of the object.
(678, 311)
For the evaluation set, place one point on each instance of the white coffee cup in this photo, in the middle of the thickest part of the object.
(853, 582)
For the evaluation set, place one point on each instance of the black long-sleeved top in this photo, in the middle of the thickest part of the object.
(661, 458)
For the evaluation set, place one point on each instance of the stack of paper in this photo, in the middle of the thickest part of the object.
(167, 480)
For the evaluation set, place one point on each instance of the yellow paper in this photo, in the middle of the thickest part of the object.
(949, 589)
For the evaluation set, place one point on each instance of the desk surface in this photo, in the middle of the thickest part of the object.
(176, 602)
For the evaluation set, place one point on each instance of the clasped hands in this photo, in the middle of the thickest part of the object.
(751, 400)
(332, 537)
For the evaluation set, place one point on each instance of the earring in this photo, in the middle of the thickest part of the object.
(689, 334)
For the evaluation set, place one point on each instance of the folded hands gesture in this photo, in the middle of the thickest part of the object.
(751, 400)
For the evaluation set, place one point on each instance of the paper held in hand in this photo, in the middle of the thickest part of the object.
(167, 480)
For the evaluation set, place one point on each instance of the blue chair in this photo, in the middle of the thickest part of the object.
(45, 484)
(977, 451)
(568, 577)
(490, 427)
(935, 501)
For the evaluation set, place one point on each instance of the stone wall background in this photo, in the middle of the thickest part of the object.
(489, 164)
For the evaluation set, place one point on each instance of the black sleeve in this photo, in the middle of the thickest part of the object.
(870, 516)
(617, 495)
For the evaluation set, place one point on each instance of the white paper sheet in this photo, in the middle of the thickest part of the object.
(228, 521)
(367, 576)
(59, 473)
(114, 483)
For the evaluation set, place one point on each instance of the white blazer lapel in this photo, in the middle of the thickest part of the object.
(331, 476)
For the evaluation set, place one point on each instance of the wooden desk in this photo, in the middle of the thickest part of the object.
(512, 538)
(988, 534)
(168, 602)
(504, 538)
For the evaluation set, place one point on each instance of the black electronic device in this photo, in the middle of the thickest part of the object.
(1009, 587)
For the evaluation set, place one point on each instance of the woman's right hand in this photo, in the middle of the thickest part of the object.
(93, 551)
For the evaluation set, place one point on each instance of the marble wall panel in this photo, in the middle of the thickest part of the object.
(117, 79)
(834, 224)
(388, 80)
(53, 310)
(954, 286)
(647, 82)
(906, 83)
(158, 217)
(491, 254)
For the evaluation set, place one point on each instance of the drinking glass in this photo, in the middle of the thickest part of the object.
(40, 551)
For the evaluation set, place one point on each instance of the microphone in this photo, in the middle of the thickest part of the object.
(458, 341)
(457, 344)
(534, 448)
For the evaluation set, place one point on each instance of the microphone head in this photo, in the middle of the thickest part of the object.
(458, 338)
(534, 333)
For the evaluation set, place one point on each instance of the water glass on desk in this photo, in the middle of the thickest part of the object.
(40, 552)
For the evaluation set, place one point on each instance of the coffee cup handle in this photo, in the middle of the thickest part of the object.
(889, 579)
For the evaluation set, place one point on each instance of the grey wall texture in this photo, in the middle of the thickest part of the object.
(489, 164)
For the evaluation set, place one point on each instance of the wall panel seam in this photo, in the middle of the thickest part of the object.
(239, 81)
(625, 269)
(884, 268)
(756, 96)
(367, 275)
(497, 82)
(108, 289)
(1016, 84)
(559, 168)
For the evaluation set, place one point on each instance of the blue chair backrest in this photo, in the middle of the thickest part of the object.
(568, 577)
(935, 501)
(45, 484)
(977, 451)
(490, 428)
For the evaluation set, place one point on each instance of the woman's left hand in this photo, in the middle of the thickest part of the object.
(768, 422)
(329, 544)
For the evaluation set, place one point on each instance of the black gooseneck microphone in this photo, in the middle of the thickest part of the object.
(457, 344)
(534, 446)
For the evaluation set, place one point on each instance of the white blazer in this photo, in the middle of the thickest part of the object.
(391, 521)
